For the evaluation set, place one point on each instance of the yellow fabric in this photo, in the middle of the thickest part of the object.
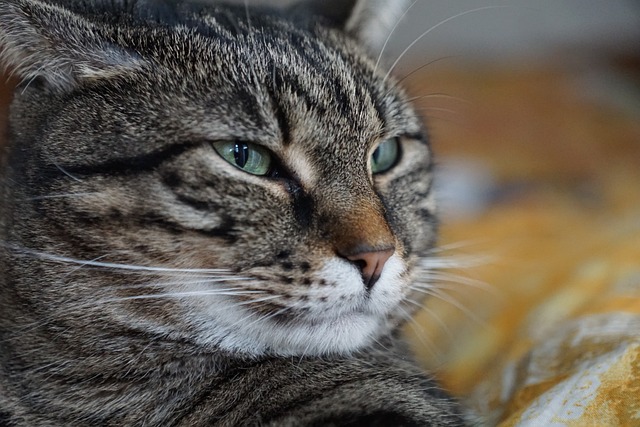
(551, 335)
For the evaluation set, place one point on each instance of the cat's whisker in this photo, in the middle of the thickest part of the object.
(160, 285)
(420, 333)
(465, 289)
(377, 341)
(438, 109)
(111, 265)
(224, 275)
(438, 95)
(432, 112)
(163, 296)
(433, 315)
(227, 292)
(58, 196)
(397, 83)
(454, 261)
(451, 287)
(457, 279)
(457, 121)
(386, 42)
(453, 246)
(181, 279)
(221, 276)
(443, 296)
(64, 171)
(265, 317)
(432, 28)
(304, 353)
(179, 295)
(203, 293)
(259, 300)
(83, 265)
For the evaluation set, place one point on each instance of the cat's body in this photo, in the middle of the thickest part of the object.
(210, 216)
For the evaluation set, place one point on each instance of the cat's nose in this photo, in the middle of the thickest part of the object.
(371, 262)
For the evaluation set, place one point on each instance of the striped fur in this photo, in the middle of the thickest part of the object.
(145, 280)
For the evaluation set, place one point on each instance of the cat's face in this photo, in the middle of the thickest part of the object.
(272, 183)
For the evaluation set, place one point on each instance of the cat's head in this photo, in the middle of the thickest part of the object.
(247, 180)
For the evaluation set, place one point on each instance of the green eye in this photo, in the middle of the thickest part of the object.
(249, 157)
(385, 156)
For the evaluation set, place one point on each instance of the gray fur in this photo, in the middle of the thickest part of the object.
(146, 281)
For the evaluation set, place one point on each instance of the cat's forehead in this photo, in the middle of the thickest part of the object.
(313, 81)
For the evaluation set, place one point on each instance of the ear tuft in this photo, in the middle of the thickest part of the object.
(370, 21)
(39, 40)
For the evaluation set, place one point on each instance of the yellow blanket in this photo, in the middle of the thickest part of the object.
(546, 330)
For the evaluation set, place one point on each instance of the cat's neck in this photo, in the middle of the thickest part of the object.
(158, 381)
(158, 375)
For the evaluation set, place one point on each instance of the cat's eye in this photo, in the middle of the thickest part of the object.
(385, 155)
(251, 158)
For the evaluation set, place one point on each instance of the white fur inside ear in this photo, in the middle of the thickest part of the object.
(374, 20)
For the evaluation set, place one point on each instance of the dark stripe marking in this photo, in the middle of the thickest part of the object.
(303, 204)
(131, 165)
(281, 118)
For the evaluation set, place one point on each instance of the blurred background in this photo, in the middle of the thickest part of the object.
(525, 30)
(533, 107)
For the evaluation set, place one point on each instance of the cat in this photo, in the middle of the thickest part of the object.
(211, 215)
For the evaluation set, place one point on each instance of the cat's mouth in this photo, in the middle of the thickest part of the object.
(338, 316)
(348, 289)
(344, 296)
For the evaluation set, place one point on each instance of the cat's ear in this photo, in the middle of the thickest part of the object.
(370, 21)
(50, 43)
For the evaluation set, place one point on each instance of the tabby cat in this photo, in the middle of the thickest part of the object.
(211, 215)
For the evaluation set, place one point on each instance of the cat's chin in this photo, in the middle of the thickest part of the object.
(345, 318)
(340, 336)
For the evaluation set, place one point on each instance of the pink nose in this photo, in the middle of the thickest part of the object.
(371, 262)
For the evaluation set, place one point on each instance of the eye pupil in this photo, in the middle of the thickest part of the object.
(376, 155)
(241, 153)
(385, 156)
(251, 158)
